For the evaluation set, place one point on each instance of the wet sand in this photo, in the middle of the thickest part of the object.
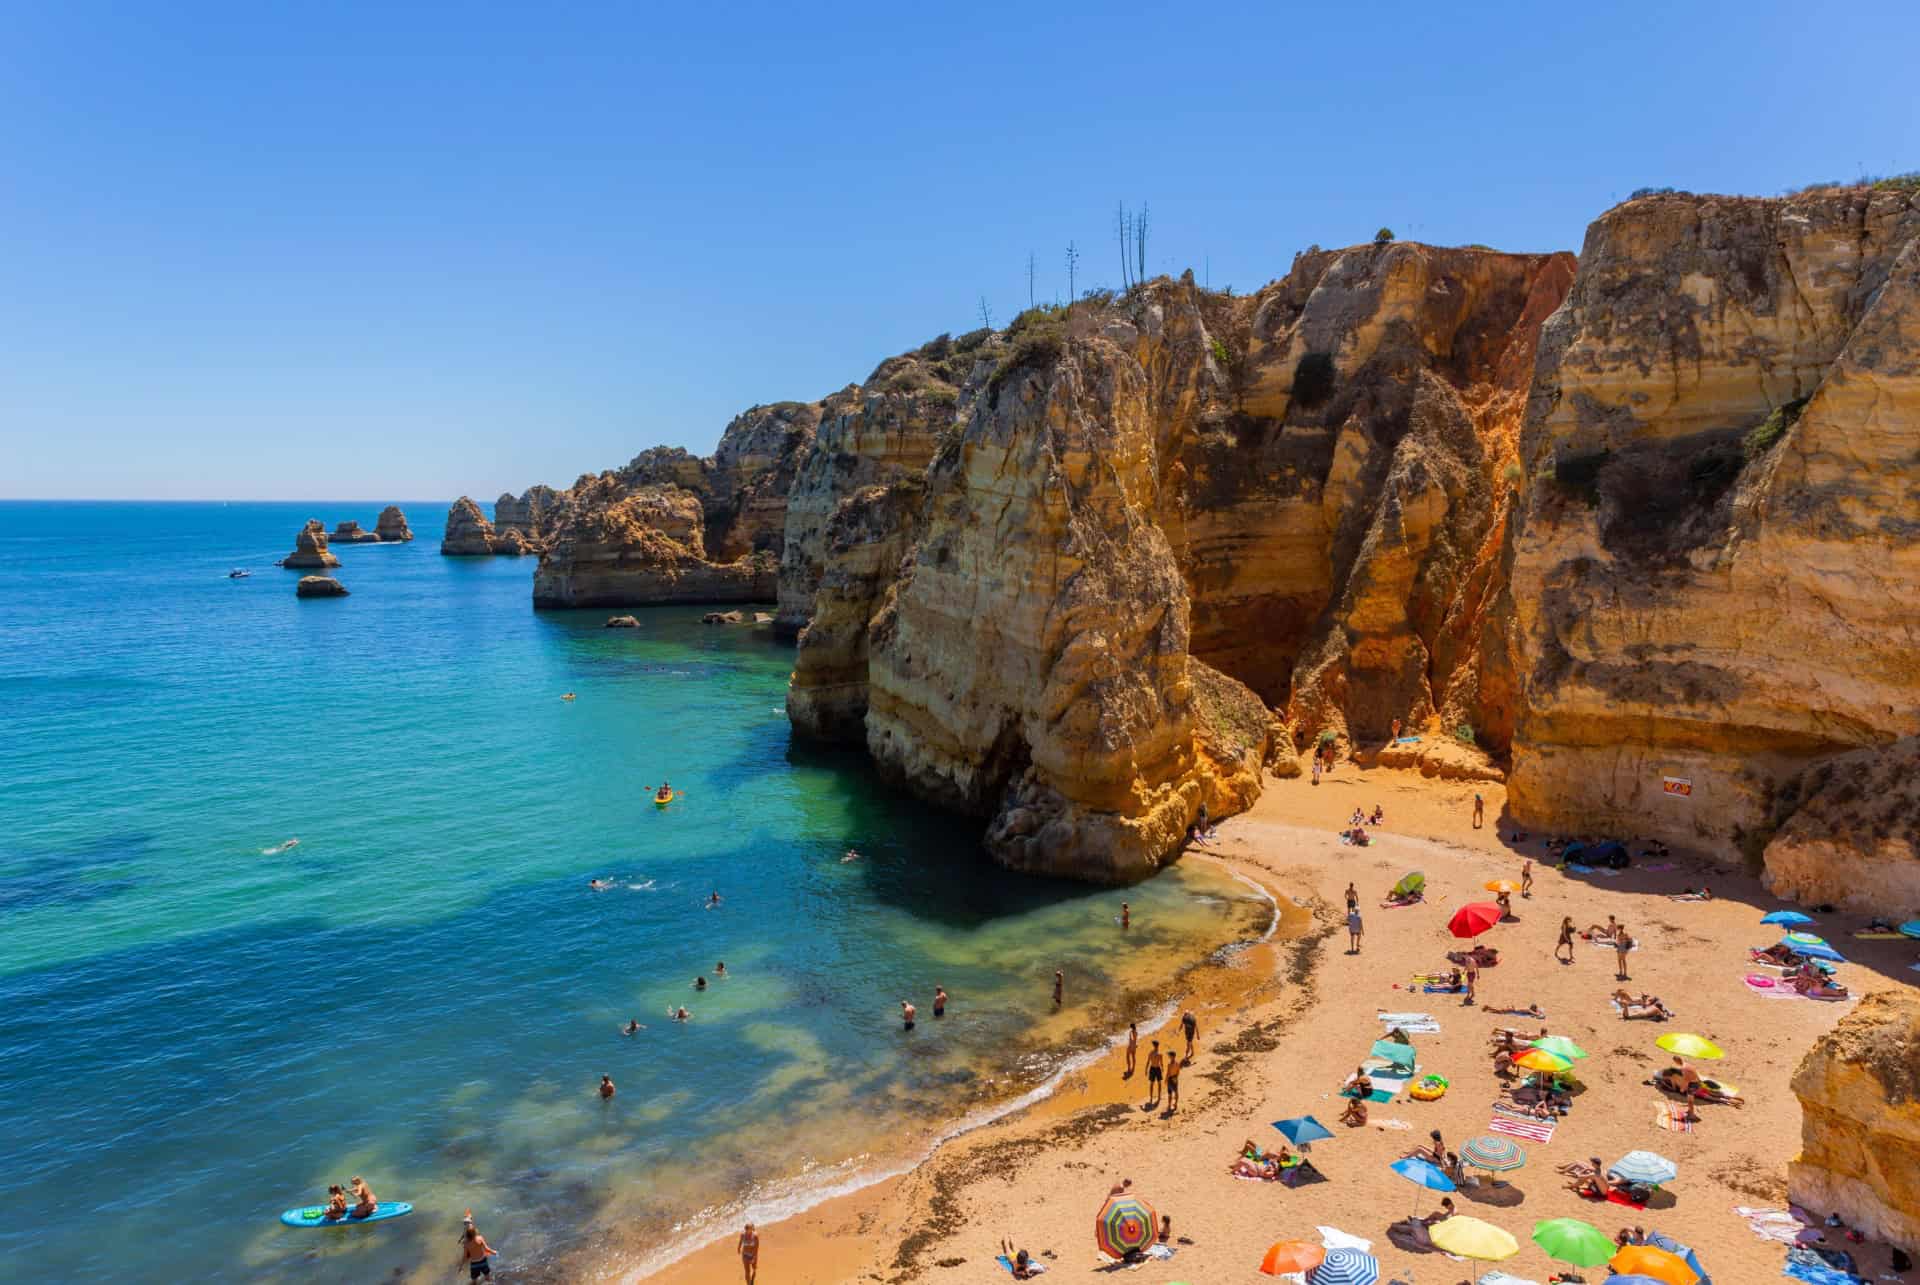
(1282, 1023)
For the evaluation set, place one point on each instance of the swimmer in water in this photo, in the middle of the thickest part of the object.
(606, 1086)
(851, 856)
(632, 1027)
(699, 983)
(681, 1014)
(566, 696)
(713, 902)
(720, 969)
(599, 885)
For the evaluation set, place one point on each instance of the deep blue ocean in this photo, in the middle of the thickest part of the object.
(200, 1028)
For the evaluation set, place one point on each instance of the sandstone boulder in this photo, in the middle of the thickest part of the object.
(622, 622)
(1859, 1091)
(1715, 576)
(1849, 832)
(392, 525)
(350, 532)
(310, 549)
(319, 587)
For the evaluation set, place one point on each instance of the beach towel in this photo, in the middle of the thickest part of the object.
(1804, 1265)
(1334, 1238)
(1618, 1197)
(1574, 867)
(1867, 936)
(1444, 990)
(1770, 1224)
(1417, 1028)
(1397, 1018)
(1767, 988)
(1661, 865)
(1033, 1268)
(1407, 740)
(1672, 1118)
(1378, 1095)
(1520, 1125)
(1501, 1278)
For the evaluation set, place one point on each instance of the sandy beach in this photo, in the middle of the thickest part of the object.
(1282, 1023)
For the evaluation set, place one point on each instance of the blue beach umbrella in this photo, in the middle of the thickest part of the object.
(1300, 1130)
(1643, 1166)
(1812, 950)
(1789, 918)
(1424, 1173)
(1682, 1252)
(1911, 928)
(1345, 1267)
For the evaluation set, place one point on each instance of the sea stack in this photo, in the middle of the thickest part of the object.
(319, 587)
(310, 549)
(351, 532)
(469, 534)
(392, 528)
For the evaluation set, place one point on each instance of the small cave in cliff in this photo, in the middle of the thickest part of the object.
(1659, 501)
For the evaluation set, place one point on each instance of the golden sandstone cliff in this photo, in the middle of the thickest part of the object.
(1717, 574)
(1647, 516)
(1859, 1091)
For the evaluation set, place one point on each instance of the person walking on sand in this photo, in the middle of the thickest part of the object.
(1566, 939)
(1526, 879)
(1622, 943)
(939, 1001)
(474, 1250)
(1126, 915)
(907, 1012)
(1316, 767)
(1133, 1046)
(1059, 986)
(1190, 1027)
(1173, 1082)
(606, 1087)
(1354, 926)
(749, 1248)
(1154, 1072)
(1353, 899)
(1473, 978)
(1479, 810)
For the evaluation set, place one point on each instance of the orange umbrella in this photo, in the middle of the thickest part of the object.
(1647, 1260)
(1291, 1256)
(1502, 885)
(1473, 919)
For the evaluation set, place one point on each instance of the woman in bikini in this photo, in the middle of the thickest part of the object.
(365, 1203)
(1566, 940)
(336, 1204)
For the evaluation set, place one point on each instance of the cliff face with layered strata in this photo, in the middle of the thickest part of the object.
(1717, 572)
(1859, 1091)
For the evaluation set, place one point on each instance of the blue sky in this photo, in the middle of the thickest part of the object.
(405, 250)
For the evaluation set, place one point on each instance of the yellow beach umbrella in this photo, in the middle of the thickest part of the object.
(1471, 1238)
(1690, 1045)
(1541, 1060)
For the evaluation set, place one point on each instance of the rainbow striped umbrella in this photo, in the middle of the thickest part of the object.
(1126, 1225)
(1345, 1267)
(1542, 1060)
(1559, 1046)
(1806, 939)
(1492, 1153)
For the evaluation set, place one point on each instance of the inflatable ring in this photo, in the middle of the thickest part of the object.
(1427, 1088)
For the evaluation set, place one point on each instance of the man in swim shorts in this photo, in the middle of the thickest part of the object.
(474, 1251)
(1154, 1072)
(1173, 1081)
(939, 1001)
(906, 1014)
(606, 1086)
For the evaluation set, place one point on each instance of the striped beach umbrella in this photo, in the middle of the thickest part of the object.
(1345, 1267)
(1493, 1153)
(1688, 1045)
(1541, 1060)
(1813, 949)
(1126, 1225)
(1569, 1240)
(1644, 1166)
(1804, 939)
(1560, 1046)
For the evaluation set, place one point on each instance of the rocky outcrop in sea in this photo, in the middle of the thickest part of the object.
(391, 527)
(310, 549)
(319, 587)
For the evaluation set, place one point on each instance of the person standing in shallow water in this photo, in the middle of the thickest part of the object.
(907, 1012)
(939, 1001)
(1059, 986)
(1190, 1027)
(1126, 915)
(606, 1086)
(1133, 1046)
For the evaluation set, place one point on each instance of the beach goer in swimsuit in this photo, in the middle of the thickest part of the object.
(1505, 902)
(1355, 926)
(906, 1014)
(1526, 879)
(1120, 1188)
(713, 901)
(749, 1249)
(1173, 1081)
(1395, 734)
(474, 1251)
(599, 885)
(1154, 1072)
(1622, 943)
(1166, 1226)
(1379, 816)
(1190, 1027)
(1133, 1045)
(336, 1204)
(606, 1086)
(365, 1202)
(1596, 932)
(939, 1001)
(1566, 940)
(720, 969)
(851, 855)
(1059, 986)
(632, 1027)
(1473, 978)
(1479, 811)
(1441, 1214)
(1355, 1113)
(1126, 915)
(699, 983)
(1353, 899)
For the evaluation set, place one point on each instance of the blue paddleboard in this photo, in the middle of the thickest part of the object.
(313, 1215)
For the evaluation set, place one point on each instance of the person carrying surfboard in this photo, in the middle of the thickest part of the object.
(474, 1250)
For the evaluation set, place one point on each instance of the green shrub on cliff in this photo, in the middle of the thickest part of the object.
(1036, 337)
(1774, 427)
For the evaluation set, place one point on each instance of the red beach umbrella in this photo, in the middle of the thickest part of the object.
(1473, 919)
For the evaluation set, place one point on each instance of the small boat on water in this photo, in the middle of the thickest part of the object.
(238, 573)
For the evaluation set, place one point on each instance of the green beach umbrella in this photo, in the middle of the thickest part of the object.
(1560, 1046)
(1409, 884)
(1568, 1240)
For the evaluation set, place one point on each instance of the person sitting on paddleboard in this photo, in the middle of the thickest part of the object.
(336, 1204)
(367, 1204)
(664, 793)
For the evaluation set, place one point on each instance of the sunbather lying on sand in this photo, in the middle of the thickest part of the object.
(1531, 1010)
(1251, 1163)
(1484, 956)
(1641, 1006)
(1510, 1040)
(1818, 987)
(1398, 899)
(1776, 954)
(1688, 894)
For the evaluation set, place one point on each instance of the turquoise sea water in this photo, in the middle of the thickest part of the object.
(197, 1032)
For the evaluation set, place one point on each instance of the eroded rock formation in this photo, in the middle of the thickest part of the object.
(351, 532)
(392, 526)
(310, 549)
(468, 533)
(1848, 832)
(525, 513)
(1716, 575)
(1859, 1091)
(319, 587)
